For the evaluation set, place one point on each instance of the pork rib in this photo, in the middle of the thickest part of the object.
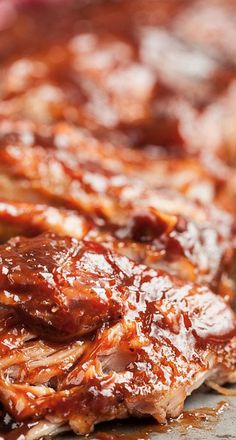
(91, 182)
(117, 182)
(183, 250)
(208, 181)
(158, 339)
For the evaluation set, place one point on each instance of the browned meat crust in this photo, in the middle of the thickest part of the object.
(158, 338)
(117, 209)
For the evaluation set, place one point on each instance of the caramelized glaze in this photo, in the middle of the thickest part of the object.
(116, 157)
(154, 332)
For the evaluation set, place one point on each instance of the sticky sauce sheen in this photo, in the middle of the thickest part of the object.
(85, 95)
(199, 418)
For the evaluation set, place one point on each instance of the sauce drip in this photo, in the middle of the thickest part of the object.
(199, 418)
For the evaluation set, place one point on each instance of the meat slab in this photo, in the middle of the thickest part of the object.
(157, 338)
(117, 210)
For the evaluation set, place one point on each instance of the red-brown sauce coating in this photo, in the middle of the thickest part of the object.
(153, 331)
(116, 158)
(199, 418)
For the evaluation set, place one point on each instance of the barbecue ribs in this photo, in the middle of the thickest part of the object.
(117, 210)
(157, 338)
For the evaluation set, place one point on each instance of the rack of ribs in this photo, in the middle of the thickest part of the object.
(117, 210)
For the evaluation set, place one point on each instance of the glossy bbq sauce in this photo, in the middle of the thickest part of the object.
(200, 418)
(10, 430)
